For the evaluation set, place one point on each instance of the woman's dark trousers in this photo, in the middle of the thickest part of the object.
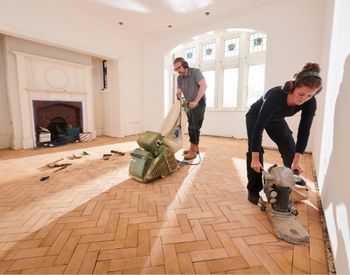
(279, 133)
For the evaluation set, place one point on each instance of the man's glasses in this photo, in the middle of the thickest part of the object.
(177, 68)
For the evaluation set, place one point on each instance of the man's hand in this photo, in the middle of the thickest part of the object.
(193, 104)
(179, 93)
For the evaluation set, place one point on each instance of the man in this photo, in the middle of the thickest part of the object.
(191, 84)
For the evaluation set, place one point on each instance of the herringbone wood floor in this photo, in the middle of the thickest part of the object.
(92, 218)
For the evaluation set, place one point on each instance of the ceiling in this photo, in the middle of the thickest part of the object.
(147, 18)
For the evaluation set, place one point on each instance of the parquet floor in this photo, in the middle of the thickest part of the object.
(92, 218)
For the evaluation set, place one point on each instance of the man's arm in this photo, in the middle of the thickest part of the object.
(201, 91)
(178, 92)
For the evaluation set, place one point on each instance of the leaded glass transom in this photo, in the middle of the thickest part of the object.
(257, 42)
(209, 51)
(190, 55)
(231, 47)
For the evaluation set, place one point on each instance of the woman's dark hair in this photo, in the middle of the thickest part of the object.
(308, 76)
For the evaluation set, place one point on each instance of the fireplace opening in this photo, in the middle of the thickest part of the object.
(57, 122)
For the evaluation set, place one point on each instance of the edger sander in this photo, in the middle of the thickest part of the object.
(155, 156)
(281, 193)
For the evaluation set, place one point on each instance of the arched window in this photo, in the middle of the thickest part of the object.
(233, 64)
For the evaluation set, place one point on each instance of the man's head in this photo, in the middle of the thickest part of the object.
(180, 65)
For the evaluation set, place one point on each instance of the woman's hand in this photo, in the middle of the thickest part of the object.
(255, 164)
(296, 166)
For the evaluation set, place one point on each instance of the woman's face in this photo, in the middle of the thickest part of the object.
(302, 94)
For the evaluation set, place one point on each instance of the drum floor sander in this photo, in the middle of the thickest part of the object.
(155, 156)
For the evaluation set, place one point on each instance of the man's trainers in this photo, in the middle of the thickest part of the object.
(253, 197)
(185, 152)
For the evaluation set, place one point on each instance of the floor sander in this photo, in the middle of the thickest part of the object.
(155, 156)
(282, 189)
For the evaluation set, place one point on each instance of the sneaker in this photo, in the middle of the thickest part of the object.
(190, 155)
(253, 197)
(185, 152)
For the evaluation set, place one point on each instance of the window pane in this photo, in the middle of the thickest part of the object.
(257, 42)
(208, 51)
(230, 87)
(231, 47)
(210, 91)
(256, 82)
(190, 55)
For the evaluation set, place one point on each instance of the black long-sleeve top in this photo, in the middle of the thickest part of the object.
(273, 108)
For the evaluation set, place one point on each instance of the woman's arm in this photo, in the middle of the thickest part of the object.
(272, 102)
(296, 166)
(307, 116)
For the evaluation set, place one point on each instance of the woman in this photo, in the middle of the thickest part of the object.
(269, 112)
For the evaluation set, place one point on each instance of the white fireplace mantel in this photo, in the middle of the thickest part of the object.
(42, 78)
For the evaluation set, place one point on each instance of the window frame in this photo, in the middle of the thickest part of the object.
(242, 61)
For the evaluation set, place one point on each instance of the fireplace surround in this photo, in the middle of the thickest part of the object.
(47, 89)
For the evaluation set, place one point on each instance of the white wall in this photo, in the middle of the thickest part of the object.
(5, 132)
(332, 149)
(294, 35)
(45, 22)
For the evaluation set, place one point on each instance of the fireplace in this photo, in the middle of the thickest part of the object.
(62, 118)
(53, 94)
